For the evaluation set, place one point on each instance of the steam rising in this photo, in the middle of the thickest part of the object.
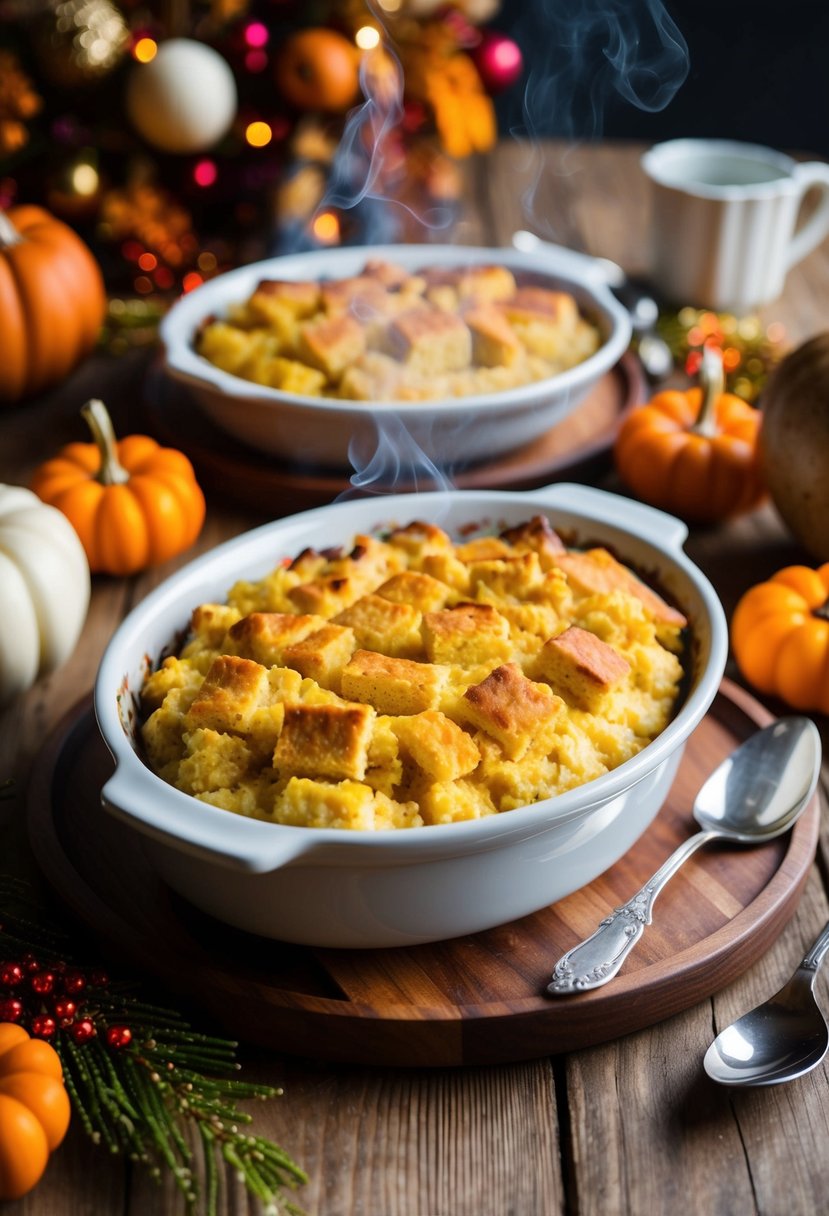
(394, 462)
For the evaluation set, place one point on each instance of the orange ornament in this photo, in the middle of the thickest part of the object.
(52, 301)
(694, 453)
(132, 503)
(318, 69)
(780, 636)
(34, 1109)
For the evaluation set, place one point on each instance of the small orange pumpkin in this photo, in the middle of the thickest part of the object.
(52, 301)
(780, 636)
(133, 503)
(694, 453)
(34, 1109)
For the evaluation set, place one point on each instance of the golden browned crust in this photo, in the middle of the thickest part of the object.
(410, 587)
(383, 625)
(232, 689)
(597, 572)
(536, 534)
(437, 745)
(494, 343)
(324, 741)
(263, 636)
(302, 298)
(393, 686)
(511, 708)
(465, 634)
(581, 667)
(332, 343)
(321, 655)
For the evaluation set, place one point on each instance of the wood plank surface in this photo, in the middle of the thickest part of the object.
(632, 1127)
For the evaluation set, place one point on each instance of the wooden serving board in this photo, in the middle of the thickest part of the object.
(473, 1000)
(576, 449)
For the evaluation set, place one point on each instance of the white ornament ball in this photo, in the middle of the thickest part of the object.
(184, 99)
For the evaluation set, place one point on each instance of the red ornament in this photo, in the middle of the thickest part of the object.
(65, 1011)
(74, 982)
(10, 1010)
(499, 61)
(83, 1030)
(119, 1036)
(43, 982)
(43, 1027)
(11, 974)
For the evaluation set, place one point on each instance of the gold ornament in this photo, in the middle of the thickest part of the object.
(81, 41)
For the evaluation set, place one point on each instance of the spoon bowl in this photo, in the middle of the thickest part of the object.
(780, 1040)
(757, 793)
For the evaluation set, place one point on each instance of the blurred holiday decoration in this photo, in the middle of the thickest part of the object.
(749, 348)
(139, 1080)
(18, 103)
(44, 590)
(51, 301)
(184, 99)
(133, 503)
(182, 137)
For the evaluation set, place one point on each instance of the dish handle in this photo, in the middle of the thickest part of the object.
(208, 831)
(652, 525)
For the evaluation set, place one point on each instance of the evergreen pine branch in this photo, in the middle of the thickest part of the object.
(167, 1088)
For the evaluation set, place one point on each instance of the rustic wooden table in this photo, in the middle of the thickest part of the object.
(631, 1126)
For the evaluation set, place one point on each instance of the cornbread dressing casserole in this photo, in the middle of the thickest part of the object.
(391, 335)
(415, 680)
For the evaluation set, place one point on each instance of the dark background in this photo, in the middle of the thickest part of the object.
(756, 71)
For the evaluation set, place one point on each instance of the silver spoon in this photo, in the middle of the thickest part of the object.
(779, 1040)
(654, 352)
(757, 793)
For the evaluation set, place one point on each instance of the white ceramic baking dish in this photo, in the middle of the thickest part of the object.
(334, 887)
(343, 434)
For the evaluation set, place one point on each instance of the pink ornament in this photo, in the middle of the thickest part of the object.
(499, 61)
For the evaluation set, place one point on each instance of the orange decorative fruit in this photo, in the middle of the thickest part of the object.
(318, 69)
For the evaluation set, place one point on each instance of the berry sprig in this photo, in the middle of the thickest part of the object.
(136, 1073)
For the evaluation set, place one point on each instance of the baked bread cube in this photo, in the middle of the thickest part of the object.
(388, 273)
(209, 623)
(264, 636)
(393, 686)
(454, 802)
(321, 804)
(228, 347)
(581, 667)
(507, 576)
(329, 741)
(300, 297)
(331, 343)
(362, 295)
(232, 690)
(430, 341)
(419, 539)
(466, 634)
(383, 625)
(290, 376)
(325, 596)
(494, 343)
(437, 745)
(536, 535)
(411, 587)
(321, 655)
(482, 549)
(529, 302)
(511, 709)
(448, 569)
(597, 572)
(213, 761)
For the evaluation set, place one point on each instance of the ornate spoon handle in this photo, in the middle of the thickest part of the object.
(599, 957)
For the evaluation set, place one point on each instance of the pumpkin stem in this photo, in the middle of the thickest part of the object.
(8, 233)
(822, 612)
(111, 473)
(712, 383)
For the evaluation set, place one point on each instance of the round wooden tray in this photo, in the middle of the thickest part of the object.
(473, 1000)
(577, 449)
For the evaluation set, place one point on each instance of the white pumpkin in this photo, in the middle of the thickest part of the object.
(44, 590)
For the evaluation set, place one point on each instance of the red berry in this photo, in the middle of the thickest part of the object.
(43, 1027)
(43, 982)
(10, 1010)
(74, 981)
(11, 974)
(83, 1030)
(119, 1036)
(65, 1011)
(30, 963)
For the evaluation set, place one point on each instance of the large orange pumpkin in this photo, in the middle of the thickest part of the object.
(34, 1109)
(133, 503)
(52, 301)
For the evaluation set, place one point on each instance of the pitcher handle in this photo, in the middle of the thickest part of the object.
(814, 173)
